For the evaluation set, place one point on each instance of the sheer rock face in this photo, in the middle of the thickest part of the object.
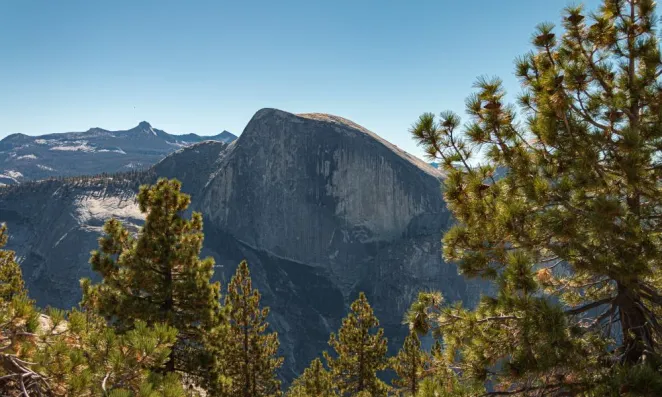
(309, 187)
(321, 196)
(320, 207)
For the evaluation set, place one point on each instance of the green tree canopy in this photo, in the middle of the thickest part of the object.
(246, 357)
(157, 276)
(360, 352)
(315, 381)
(19, 322)
(571, 232)
(80, 355)
(411, 365)
(11, 277)
(75, 353)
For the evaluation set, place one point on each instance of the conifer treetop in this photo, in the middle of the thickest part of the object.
(360, 352)
(245, 351)
(156, 276)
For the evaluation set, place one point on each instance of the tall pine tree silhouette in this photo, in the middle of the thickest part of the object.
(411, 365)
(315, 381)
(59, 353)
(158, 277)
(360, 352)
(246, 358)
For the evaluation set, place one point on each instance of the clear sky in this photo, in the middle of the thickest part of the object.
(206, 66)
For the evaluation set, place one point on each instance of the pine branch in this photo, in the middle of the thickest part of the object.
(589, 306)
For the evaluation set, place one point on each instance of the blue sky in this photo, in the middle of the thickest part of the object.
(196, 66)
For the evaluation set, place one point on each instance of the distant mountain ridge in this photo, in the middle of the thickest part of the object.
(24, 157)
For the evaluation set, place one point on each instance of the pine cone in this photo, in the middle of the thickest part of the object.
(492, 105)
(545, 37)
(575, 18)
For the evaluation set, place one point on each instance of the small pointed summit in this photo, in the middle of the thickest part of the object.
(144, 127)
(225, 136)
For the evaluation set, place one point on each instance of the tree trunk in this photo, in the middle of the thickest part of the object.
(247, 378)
(414, 375)
(361, 385)
(636, 329)
(168, 306)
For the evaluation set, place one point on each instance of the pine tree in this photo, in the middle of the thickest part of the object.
(81, 356)
(563, 211)
(11, 277)
(442, 379)
(315, 381)
(74, 354)
(411, 365)
(246, 352)
(19, 321)
(449, 385)
(360, 352)
(157, 276)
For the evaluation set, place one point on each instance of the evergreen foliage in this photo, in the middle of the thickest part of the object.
(450, 385)
(83, 357)
(571, 234)
(315, 381)
(19, 321)
(75, 353)
(360, 352)
(411, 365)
(442, 380)
(11, 277)
(246, 358)
(157, 276)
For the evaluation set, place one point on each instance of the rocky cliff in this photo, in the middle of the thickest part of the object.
(320, 207)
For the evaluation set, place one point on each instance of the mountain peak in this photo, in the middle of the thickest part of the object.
(145, 128)
(344, 125)
(225, 136)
